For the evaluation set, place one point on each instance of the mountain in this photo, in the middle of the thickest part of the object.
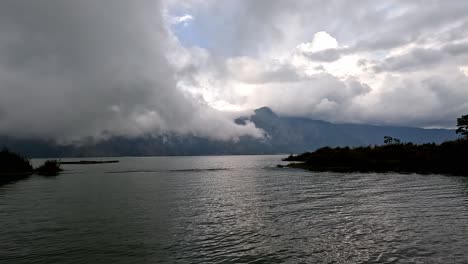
(297, 135)
(284, 135)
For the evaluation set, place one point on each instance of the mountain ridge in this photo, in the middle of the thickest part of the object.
(285, 134)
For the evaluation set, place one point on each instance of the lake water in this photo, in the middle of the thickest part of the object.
(231, 209)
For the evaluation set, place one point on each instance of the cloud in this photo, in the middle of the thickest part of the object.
(184, 20)
(75, 69)
(342, 61)
(322, 41)
(423, 58)
(456, 49)
(413, 60)
(323, 47)
(249, 70)
(328, 55)
(321, 96)
(430, 99)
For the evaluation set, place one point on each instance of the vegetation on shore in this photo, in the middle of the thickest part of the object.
(14, 166)
(49, 168)
(447, 158)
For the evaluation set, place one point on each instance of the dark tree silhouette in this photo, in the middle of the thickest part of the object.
(462, 125)
(12, 163)
(389, 140)
(49, 168)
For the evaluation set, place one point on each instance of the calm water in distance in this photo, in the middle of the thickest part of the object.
(231, 209)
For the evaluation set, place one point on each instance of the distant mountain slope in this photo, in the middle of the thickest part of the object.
(301, 134)
(285, 135)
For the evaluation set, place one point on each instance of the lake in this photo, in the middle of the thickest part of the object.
(231, 209)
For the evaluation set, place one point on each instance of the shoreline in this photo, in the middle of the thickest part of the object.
(448, 158)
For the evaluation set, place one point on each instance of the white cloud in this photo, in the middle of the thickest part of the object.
(408, 58)
(184, 20)
(321, 41)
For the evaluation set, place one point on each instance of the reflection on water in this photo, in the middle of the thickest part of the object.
(231, 210)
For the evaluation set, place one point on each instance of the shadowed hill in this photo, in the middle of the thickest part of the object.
(296, 135)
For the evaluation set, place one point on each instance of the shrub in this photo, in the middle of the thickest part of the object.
(49, 168)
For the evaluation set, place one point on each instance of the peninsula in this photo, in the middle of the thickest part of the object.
(449, 157)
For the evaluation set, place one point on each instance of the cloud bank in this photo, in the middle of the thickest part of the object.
(94, 69)
(74, 70)
(397, 63)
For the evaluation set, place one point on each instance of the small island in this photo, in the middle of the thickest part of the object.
(89, 162)
(447, 158)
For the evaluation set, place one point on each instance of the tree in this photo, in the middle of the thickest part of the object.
(391, 141)
(462, 125)
(388, 140)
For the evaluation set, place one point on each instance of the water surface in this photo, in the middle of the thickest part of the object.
(231, 209)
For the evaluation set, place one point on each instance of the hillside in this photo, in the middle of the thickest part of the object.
(285, 135)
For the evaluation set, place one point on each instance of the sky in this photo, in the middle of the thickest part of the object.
(80, 70)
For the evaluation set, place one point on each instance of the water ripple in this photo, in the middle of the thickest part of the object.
(232, 210)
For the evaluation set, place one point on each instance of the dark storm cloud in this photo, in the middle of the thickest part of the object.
(70, 69)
